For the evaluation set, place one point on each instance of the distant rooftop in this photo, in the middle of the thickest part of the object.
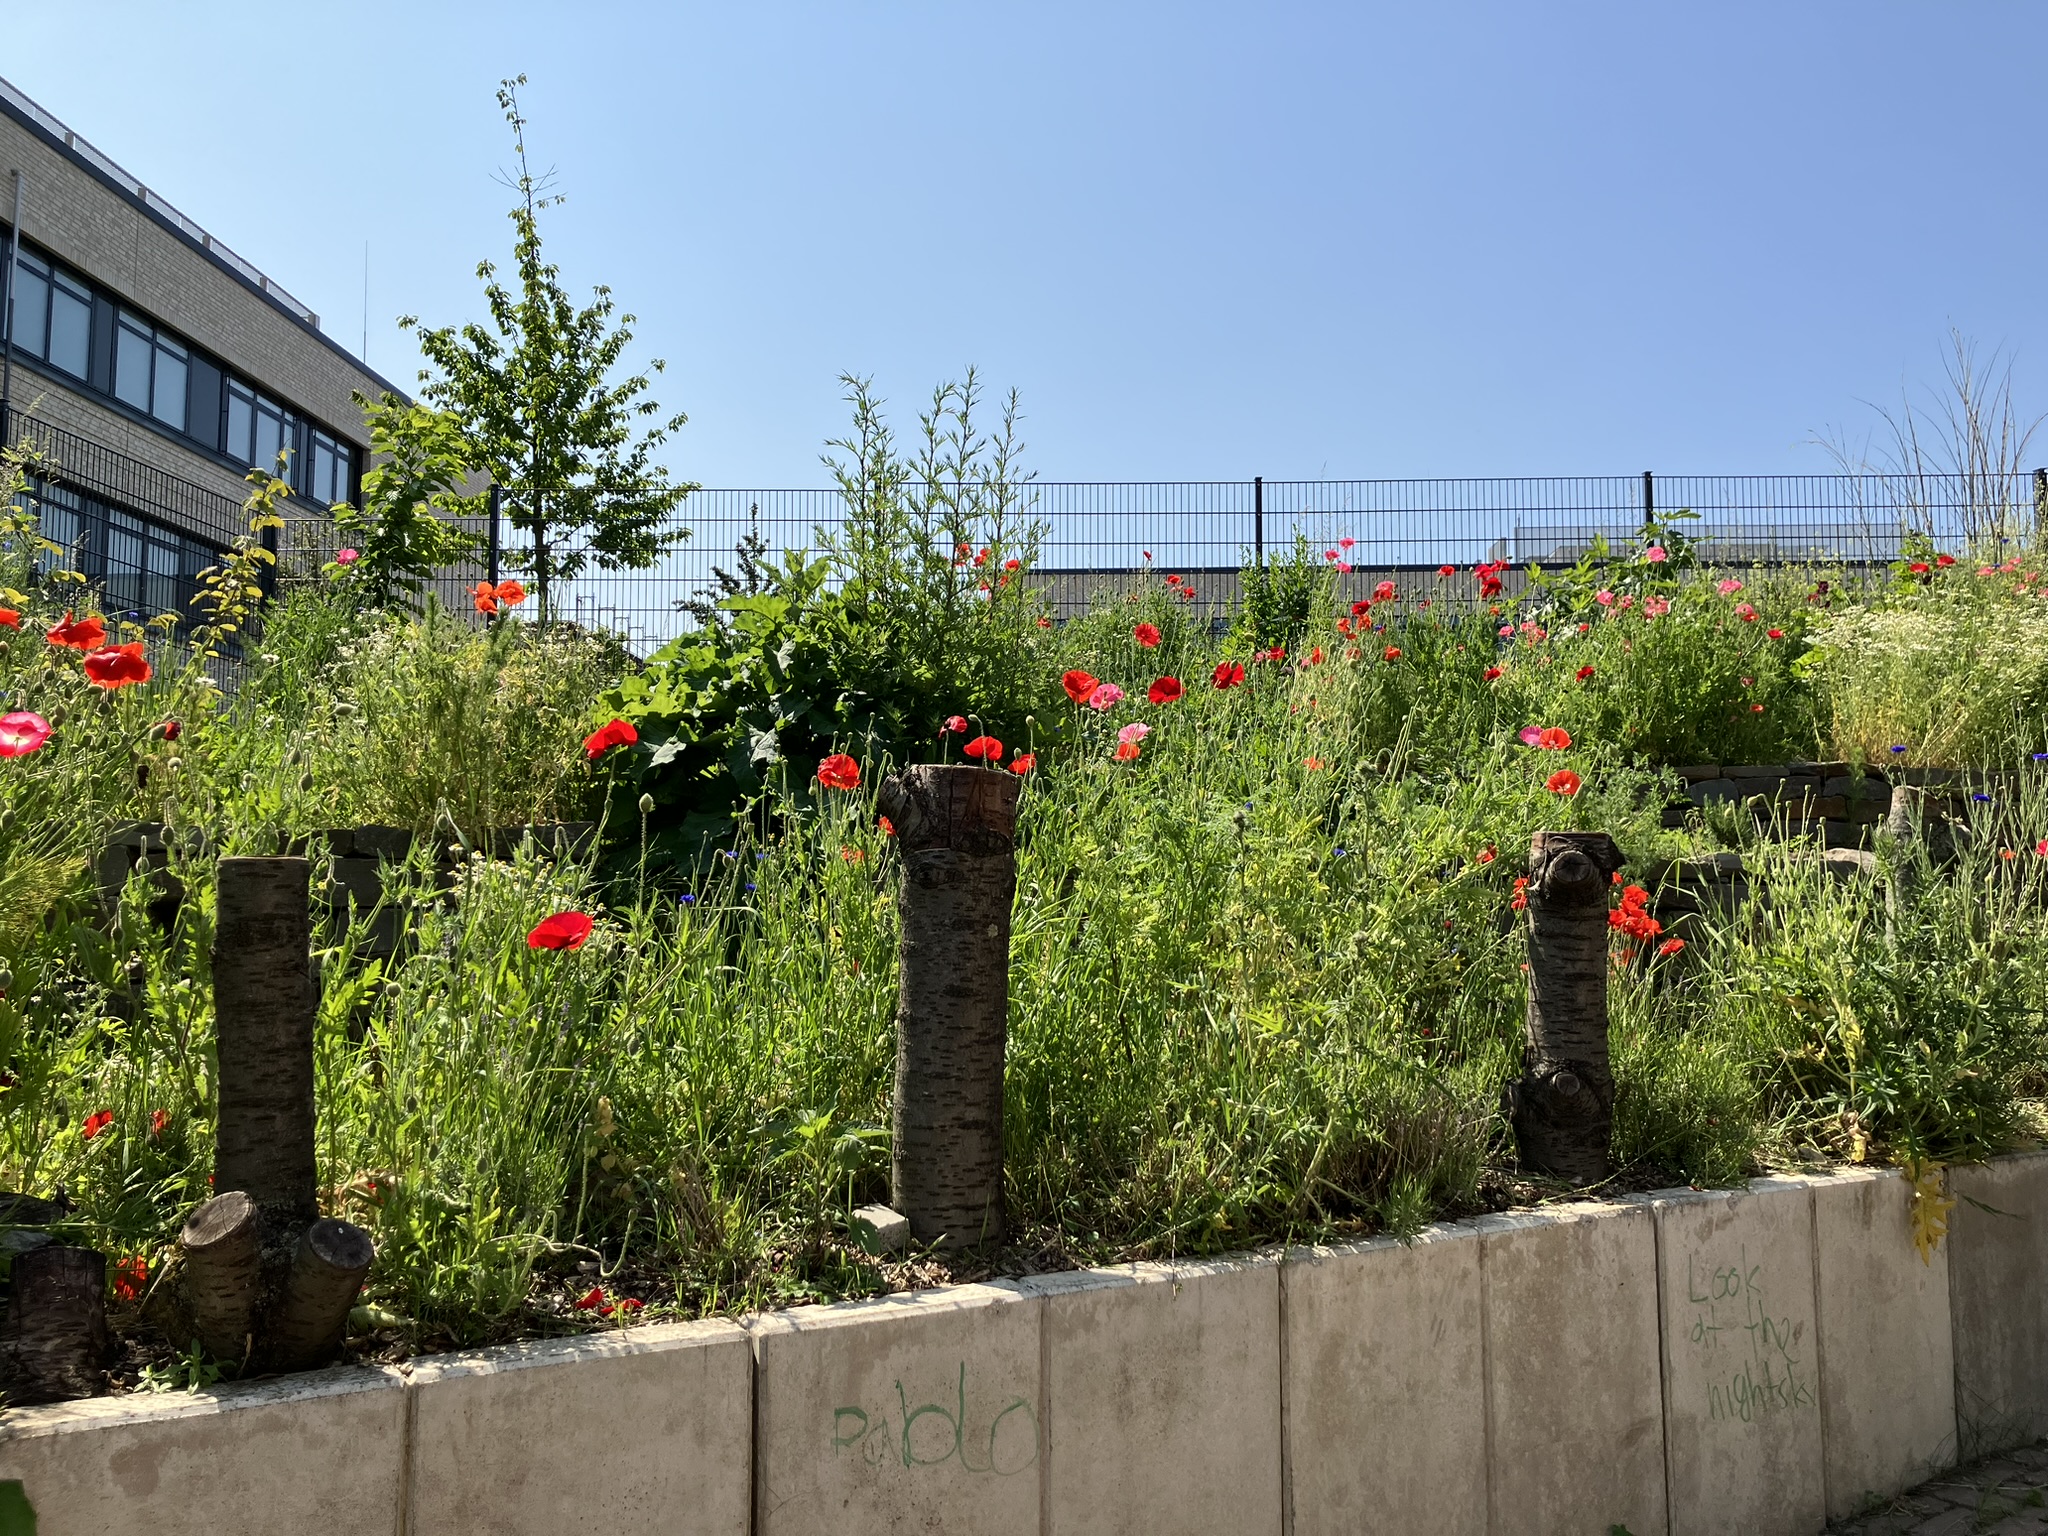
(48, 122)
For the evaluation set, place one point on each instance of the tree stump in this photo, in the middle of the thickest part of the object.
(956, 830)
(56, 1341)
(1564, 1103)
(327, 1271)
(223, 1247)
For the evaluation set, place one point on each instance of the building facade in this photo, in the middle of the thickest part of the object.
(150, 368)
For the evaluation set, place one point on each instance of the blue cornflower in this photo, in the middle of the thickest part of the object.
(729, 853)
(750, 887)
(1982, 799)
(688, 899)
(1897, 750)
(1339, 852)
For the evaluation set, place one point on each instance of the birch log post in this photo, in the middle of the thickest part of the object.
(1564, 1103)
(55, 1343)
(956, 830)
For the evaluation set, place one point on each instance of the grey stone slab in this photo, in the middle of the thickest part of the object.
(1887, 1354)
(1163, 1399)
(319, 1452)
(1998, 1258)
(908, 1413)
(1572, 1363)
(1742, 1422)
(1717, 789)
(1385, 1386)
(642, 1430)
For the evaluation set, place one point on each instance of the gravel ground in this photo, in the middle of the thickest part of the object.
(2005, 1494)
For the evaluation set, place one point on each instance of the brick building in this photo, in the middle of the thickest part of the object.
(151, 368)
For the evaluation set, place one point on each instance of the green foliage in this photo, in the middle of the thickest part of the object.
(403, 533)
(542, 415)
(1283, 596)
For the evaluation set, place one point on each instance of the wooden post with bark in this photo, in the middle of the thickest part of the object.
(1564, 1103)
(956, 830)
(55, 1343)
(265, 1280)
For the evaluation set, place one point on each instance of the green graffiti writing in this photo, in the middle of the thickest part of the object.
(932, 1434)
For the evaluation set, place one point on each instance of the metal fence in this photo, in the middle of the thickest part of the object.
(1092, 539)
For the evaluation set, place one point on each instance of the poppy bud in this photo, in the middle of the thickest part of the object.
(647, 805)
(6, 980)
(291, 758)
(305, 782)
(7, 820)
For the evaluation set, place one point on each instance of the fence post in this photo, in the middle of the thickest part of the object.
(1649, 499)
(956, 831)
(2040, 498)
(1563, 1107)
(1258, 519)
(493, 571)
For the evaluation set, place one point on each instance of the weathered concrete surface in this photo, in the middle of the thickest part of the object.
(1163, 1382)
(1385, 1386)
(1887, 1358)
(641, 1431)
(1742, 1417)
(1574, 1417)
(1998, 1299)
(909, 1413)
(320, 1452)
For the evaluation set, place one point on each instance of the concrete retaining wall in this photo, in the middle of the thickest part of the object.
(1688, 1362)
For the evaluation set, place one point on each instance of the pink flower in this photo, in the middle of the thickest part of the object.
(1604, 598)
(347, 556)
(22, 733)
(1656, 554)
(1506, 630)
(1529, 735)
(1346, 543)
(1728, 586)
(1745, 613)
(1656, 607)
(1137, 730)
(1105, 696)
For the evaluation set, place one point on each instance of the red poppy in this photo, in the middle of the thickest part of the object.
(1392, 653)
(1315, 655)
(11, 617)
(1553, 738)
(839, 772)
(22, 732)
(1447, 570)
(624, 1306)
(1360, 609)
(78, 634)
(615, 733)
(564, 930)
(1164, 690)
(1383, 593)
(1487, 854)
(1044, 622)
(592, 1301)
(985, 747)
(853, 855)
(1188, 593)
(1127, 751)
(1563, 782)
(1146, 635)
(888, 827)
(956, 725)
(484, 597)
(130, 1276)
(1343, 626)
(1079, 685)
(1023, 763)
(2041, 848)
(1670, 946)
(1520, 900)
(1312, 764)
(1492, 673)
(1774, 634)
(1011, 565)
(117, 666)
(1944, 561)
(1584, 673)
(158, 1119)
(1919, 567)
(96, 1122)
(170, 730)
(1173, 581)
(1228, 674)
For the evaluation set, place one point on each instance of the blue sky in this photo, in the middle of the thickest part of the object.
(1204, 241)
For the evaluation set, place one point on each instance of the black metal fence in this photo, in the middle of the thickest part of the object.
(1089, 539)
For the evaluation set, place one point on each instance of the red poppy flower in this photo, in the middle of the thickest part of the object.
(1670, 946)
(22, 732)
(1079, 685)
(1315, 655)
(564, 930)
(1563, 782)
(78, 634)
(96, 1122)
(170, 730)
(1023, 763)
(1919, 567)
(1173, 581)
(1553, 738)
(1383, 593)
(1360, 609)
(1774, 634)
(1492, 673)
(1944, 561)
(130, 1275)
(985, 747)
(1447, 570)
(888, 827)
(117, 666)
(1044, 622)
(1584, 673)
(1343, 626)
(1127, 751)
(853, 855)
(511, 593)
(1228, 674)
(1011, 565)
(158, 1119)
(1392, 653)
(1346, 543)
(11, 617)
(624, 1306)
(616, 733)
(2041, 848)
(1487, 854)
(591, 1302)
(484, 597)
(1312, 764)
(839, 772)
(956, 725)
(1188, 594)
(1520, 900)
(1164, 690)
(1146, 635)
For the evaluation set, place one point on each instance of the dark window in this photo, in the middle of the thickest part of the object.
(241, 422)
(149, 370)
(70, 324)
(32, 307)
(331, 465)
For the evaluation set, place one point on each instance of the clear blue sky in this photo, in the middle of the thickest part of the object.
(1203, 240)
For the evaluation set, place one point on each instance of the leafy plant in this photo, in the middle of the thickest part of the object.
(405, 531)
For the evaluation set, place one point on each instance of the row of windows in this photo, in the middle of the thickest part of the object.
(144, 366)
(141, 568)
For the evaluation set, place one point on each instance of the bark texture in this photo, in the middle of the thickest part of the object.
(1564, 1104)
(956, 829)
(56, 1342)
(263, 1001)
(327, 1272)
(223, 1244)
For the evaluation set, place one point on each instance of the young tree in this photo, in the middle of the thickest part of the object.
(409, 525)
(535, 396)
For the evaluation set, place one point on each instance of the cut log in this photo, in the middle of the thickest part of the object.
(223, 1244)
(56, 1343)
(327, 1272)
(1564, 1103)
(264, 1002)
(956, 830)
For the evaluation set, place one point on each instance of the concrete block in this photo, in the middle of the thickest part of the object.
(1570, 1299)
(1163, 1386)
(908, 1413)
(1693, 773)
(320, 1452)
(1998, 1256)
(1716, 789)
(1385, 1386)
(881, 1230)
(1754, 771)
(1887, 1361)
(640, 1430)
(1742, 1422)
